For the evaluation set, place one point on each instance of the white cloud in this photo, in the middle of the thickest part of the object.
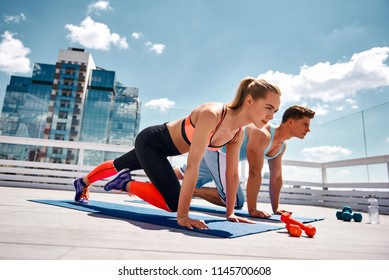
(95, 35)
(157, 48)
(162, 104)
(352, 102)
(387, 139)
(15, 18)
(334, 82)
(348, 101)
(13, 55)
(324, 153)
(121, 42)
(320, 110)
(136, 35)
(101, 5)
(339, 108)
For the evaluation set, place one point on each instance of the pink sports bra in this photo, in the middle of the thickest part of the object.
(187, 131)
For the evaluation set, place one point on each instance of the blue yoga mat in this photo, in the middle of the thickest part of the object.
(242, 213)
(217, 226)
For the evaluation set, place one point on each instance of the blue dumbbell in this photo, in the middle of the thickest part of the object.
(347, 215)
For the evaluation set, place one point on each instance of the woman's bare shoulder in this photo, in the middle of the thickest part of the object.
(209, 110)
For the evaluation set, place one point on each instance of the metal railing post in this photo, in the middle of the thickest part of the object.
(81, 156)
(387, 164)
(324, 179)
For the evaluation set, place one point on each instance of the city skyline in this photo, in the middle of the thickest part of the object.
(332, 56)
(69, 100)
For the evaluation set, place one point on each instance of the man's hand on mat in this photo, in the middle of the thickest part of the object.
(259, 214)
(279, 212)
(191, 223)
(237, 219)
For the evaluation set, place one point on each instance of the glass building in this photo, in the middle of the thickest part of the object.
(72, 100)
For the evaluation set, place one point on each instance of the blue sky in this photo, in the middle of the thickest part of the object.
(329, 55)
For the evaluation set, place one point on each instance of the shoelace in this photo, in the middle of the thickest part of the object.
(85, 191)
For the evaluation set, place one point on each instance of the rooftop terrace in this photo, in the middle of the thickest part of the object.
(33, 231)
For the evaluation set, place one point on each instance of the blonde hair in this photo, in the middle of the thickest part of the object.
(257, 88)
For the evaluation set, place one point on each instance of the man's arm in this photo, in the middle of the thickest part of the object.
(275, 184)
(255, 156)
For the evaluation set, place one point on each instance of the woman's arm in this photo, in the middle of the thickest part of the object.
(232, 179)
(232, 173)
(205, 122)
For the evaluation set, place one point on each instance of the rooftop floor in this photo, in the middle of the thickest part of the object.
(33, 231)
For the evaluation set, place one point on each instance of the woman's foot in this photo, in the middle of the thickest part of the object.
(82, 191)
(119, 182)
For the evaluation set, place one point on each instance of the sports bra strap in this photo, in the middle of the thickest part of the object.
(224, 113)
(187, 131)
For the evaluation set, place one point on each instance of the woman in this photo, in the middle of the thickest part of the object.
(209, 126)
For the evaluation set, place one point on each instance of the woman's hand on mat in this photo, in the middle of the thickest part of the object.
(259, 214)
(191, 223)
(237, 219)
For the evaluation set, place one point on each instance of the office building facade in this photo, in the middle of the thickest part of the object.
(72, 100)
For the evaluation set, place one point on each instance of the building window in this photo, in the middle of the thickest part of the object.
(55, 160)
(64, 104)
(59, 137)
(66, 93)
(68, 82)
(61, 126)
(70, 71)
(63, 115)
(57, 151)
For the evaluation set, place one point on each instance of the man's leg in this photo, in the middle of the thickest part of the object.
(216, 162)
(207, 193)
(204, 174)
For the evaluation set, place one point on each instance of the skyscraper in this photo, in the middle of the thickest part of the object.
(72, 100)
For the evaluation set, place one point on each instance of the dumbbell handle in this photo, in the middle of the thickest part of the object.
(309, 230)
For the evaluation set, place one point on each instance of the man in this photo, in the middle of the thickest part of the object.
(258, 144)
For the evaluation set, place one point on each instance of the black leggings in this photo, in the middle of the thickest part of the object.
(152, 147)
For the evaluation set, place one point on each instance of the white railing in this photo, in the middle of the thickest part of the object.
(333, 194)
(318, 192)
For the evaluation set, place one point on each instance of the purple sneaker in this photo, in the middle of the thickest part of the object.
(119, 182)
(82, 191)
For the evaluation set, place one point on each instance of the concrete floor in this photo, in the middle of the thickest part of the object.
(33, 231)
